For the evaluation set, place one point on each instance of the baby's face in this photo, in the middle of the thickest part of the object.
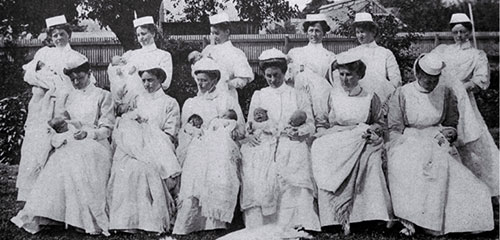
(118, 61)
(260, 115)
(196, 122)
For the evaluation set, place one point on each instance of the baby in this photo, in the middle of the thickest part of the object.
(261, 125)
(194, 57)
(445, 138)
(297, 120)
(65, 130)
(226, 121)
(193, 127)
(120, 63)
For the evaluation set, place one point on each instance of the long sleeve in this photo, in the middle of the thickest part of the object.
(187, 111)
(106, 117)
(393, 72)
(451, 114)
(166, 65)
(395, 117)
(243, 73)
(322, 118)
(240, 126)
(304, 104)
(481, 73)
(172, 120)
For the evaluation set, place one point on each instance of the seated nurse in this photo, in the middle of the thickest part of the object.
(429, 187)
(71, 189)
(347, 155)
(145, 169)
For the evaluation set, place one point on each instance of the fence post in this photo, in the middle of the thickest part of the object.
(287, 44)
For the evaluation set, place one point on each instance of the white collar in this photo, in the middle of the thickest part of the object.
(371, 44)
(225, 44)
(281, 89)
(315, 45)
(155, 95)
(420, 88)
(88, 88)
(65, 48)
(463, 46)
(150, 47)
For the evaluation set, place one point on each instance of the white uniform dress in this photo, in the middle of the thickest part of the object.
(296, 190)
(234, 64)
(428, 186)
(48, 85)
(308, 70)
(475, 144)
(71, 189)
(138, 197)
(348, 171)
(209, 180)
(126, 87)
(382, 74)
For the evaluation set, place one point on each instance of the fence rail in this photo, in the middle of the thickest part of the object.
(100, 50)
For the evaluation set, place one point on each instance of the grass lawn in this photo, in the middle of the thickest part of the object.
(9, 207)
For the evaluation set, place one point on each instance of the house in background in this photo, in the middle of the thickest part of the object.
(338, 10)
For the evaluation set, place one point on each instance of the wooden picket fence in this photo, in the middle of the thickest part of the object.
(101, 50)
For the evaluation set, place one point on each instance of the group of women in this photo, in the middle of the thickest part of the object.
(333, 140)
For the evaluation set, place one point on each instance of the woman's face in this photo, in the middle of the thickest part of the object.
(364, 36)
(428, 82)
(80, 80)
(315, 33)
(274, 76)
(150, 82)
(144, 36)
(348, 79)
(460, 33)
(205, 83)
(60, 37)
(219, 35)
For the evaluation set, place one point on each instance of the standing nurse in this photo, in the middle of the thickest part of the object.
(232, 61)
(45, 75)
(382, 70)
(467, 72)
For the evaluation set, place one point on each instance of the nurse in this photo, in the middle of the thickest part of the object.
(125, 83)
(382, 71)
(467, 72)
(232, 61)
(309, 65)
(45, 75)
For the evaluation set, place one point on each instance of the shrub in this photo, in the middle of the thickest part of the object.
(12, 117)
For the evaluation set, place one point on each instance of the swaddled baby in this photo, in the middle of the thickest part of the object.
(295, 124)
(261, 125)
(64, 131)
(193, 126)
(227, 122)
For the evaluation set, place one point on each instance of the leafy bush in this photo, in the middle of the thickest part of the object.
(245, 94)
(12, 117)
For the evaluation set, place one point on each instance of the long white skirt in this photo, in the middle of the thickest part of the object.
(70, 189)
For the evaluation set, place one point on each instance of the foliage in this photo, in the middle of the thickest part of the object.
(257, 11)
(19, 16)
(11, 77)
(388, 37)
(12, 117)
(183, 86)
(245, 94)
(432, 15)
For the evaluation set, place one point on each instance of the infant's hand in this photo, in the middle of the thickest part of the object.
(80, 135)
(132, 70)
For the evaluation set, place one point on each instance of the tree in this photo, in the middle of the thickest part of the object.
(118, 15)
(256, 11)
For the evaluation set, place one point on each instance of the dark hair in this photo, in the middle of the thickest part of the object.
(57, 124)
(367, 26)
(232, 114)
(276, 62)
(212, 74)
(419, 70)
(324, 26)
(195, 117)
(85, 67)
(66, 27)
(358, 67)
(224, 26)
(467, 25)
(152, 29)
(158, 72)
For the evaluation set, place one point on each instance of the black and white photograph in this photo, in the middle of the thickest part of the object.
(249, 119)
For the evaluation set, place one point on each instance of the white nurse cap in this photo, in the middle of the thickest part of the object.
(431, 63)
(219, 18)
(74, 60)
(363, 17)
(206, 64)
(316, 17)
(347, 57)
(459, 18)
(57, 20)
(143, 21)
(271, 54)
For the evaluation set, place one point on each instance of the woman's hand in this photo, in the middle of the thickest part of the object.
(471, 87)
(132, 70)
(80, 135)
(372, 137)
(253, 140)
(450, 134)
